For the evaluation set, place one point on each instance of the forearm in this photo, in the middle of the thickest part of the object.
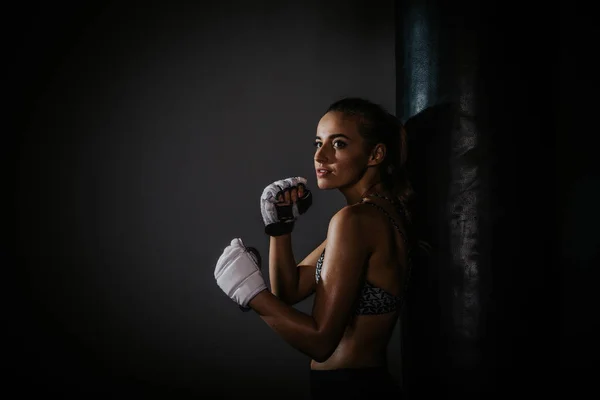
(283, 271)
(296, 328)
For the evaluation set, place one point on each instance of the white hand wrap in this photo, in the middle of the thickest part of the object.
(238, 274)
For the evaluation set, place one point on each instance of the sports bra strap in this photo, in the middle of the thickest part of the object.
(388, 215)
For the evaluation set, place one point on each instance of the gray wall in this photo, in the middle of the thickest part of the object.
(146, 138)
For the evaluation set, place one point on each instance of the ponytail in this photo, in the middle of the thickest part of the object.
(397, 176)
(402, 188)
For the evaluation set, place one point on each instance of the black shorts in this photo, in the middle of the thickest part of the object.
(353, 383)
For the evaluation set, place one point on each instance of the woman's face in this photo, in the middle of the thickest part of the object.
(340, 154)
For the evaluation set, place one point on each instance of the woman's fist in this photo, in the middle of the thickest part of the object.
(282, 202)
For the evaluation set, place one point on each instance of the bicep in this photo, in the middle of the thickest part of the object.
(306, 274)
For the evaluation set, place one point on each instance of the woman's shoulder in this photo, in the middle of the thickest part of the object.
(353, 224)
(352, 211)
(362, 209)
(367, 214)
(353, 216)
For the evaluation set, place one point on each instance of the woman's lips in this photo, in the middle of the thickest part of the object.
(322, 172)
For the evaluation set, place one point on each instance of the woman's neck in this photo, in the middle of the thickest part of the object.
(361, 190)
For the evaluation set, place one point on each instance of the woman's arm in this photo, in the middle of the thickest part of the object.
(283, 273)
(344, 265)
(290, 282)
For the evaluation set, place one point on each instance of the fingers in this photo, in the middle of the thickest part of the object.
(285, 191)
(301, 190)
(297, 192)
(273, 190)
(290, 195)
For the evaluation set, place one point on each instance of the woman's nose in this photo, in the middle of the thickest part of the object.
(320, 156)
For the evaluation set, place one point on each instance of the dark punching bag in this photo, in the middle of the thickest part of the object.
(469, 87)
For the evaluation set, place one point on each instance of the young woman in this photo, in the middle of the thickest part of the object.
(358, 274)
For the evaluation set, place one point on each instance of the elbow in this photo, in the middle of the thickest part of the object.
(325, 349)
(322, 357)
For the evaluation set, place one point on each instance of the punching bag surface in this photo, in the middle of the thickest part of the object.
(466, 78)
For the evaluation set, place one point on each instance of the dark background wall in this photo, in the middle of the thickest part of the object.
(143, 139)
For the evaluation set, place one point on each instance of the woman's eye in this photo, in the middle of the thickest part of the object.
(338, 144)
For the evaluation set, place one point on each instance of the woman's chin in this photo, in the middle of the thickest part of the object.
(323, 184)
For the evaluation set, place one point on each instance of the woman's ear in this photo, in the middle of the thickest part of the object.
(377, 155)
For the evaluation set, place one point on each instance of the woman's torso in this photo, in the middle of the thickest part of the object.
(365, 340)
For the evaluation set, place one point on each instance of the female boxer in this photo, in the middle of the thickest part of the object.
(358, 274)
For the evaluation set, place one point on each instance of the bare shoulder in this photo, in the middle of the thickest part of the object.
(370, 220)
(351, 223)
(354, 214)
(349, 215)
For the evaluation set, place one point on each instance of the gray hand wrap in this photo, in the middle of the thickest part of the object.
(279, 218)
